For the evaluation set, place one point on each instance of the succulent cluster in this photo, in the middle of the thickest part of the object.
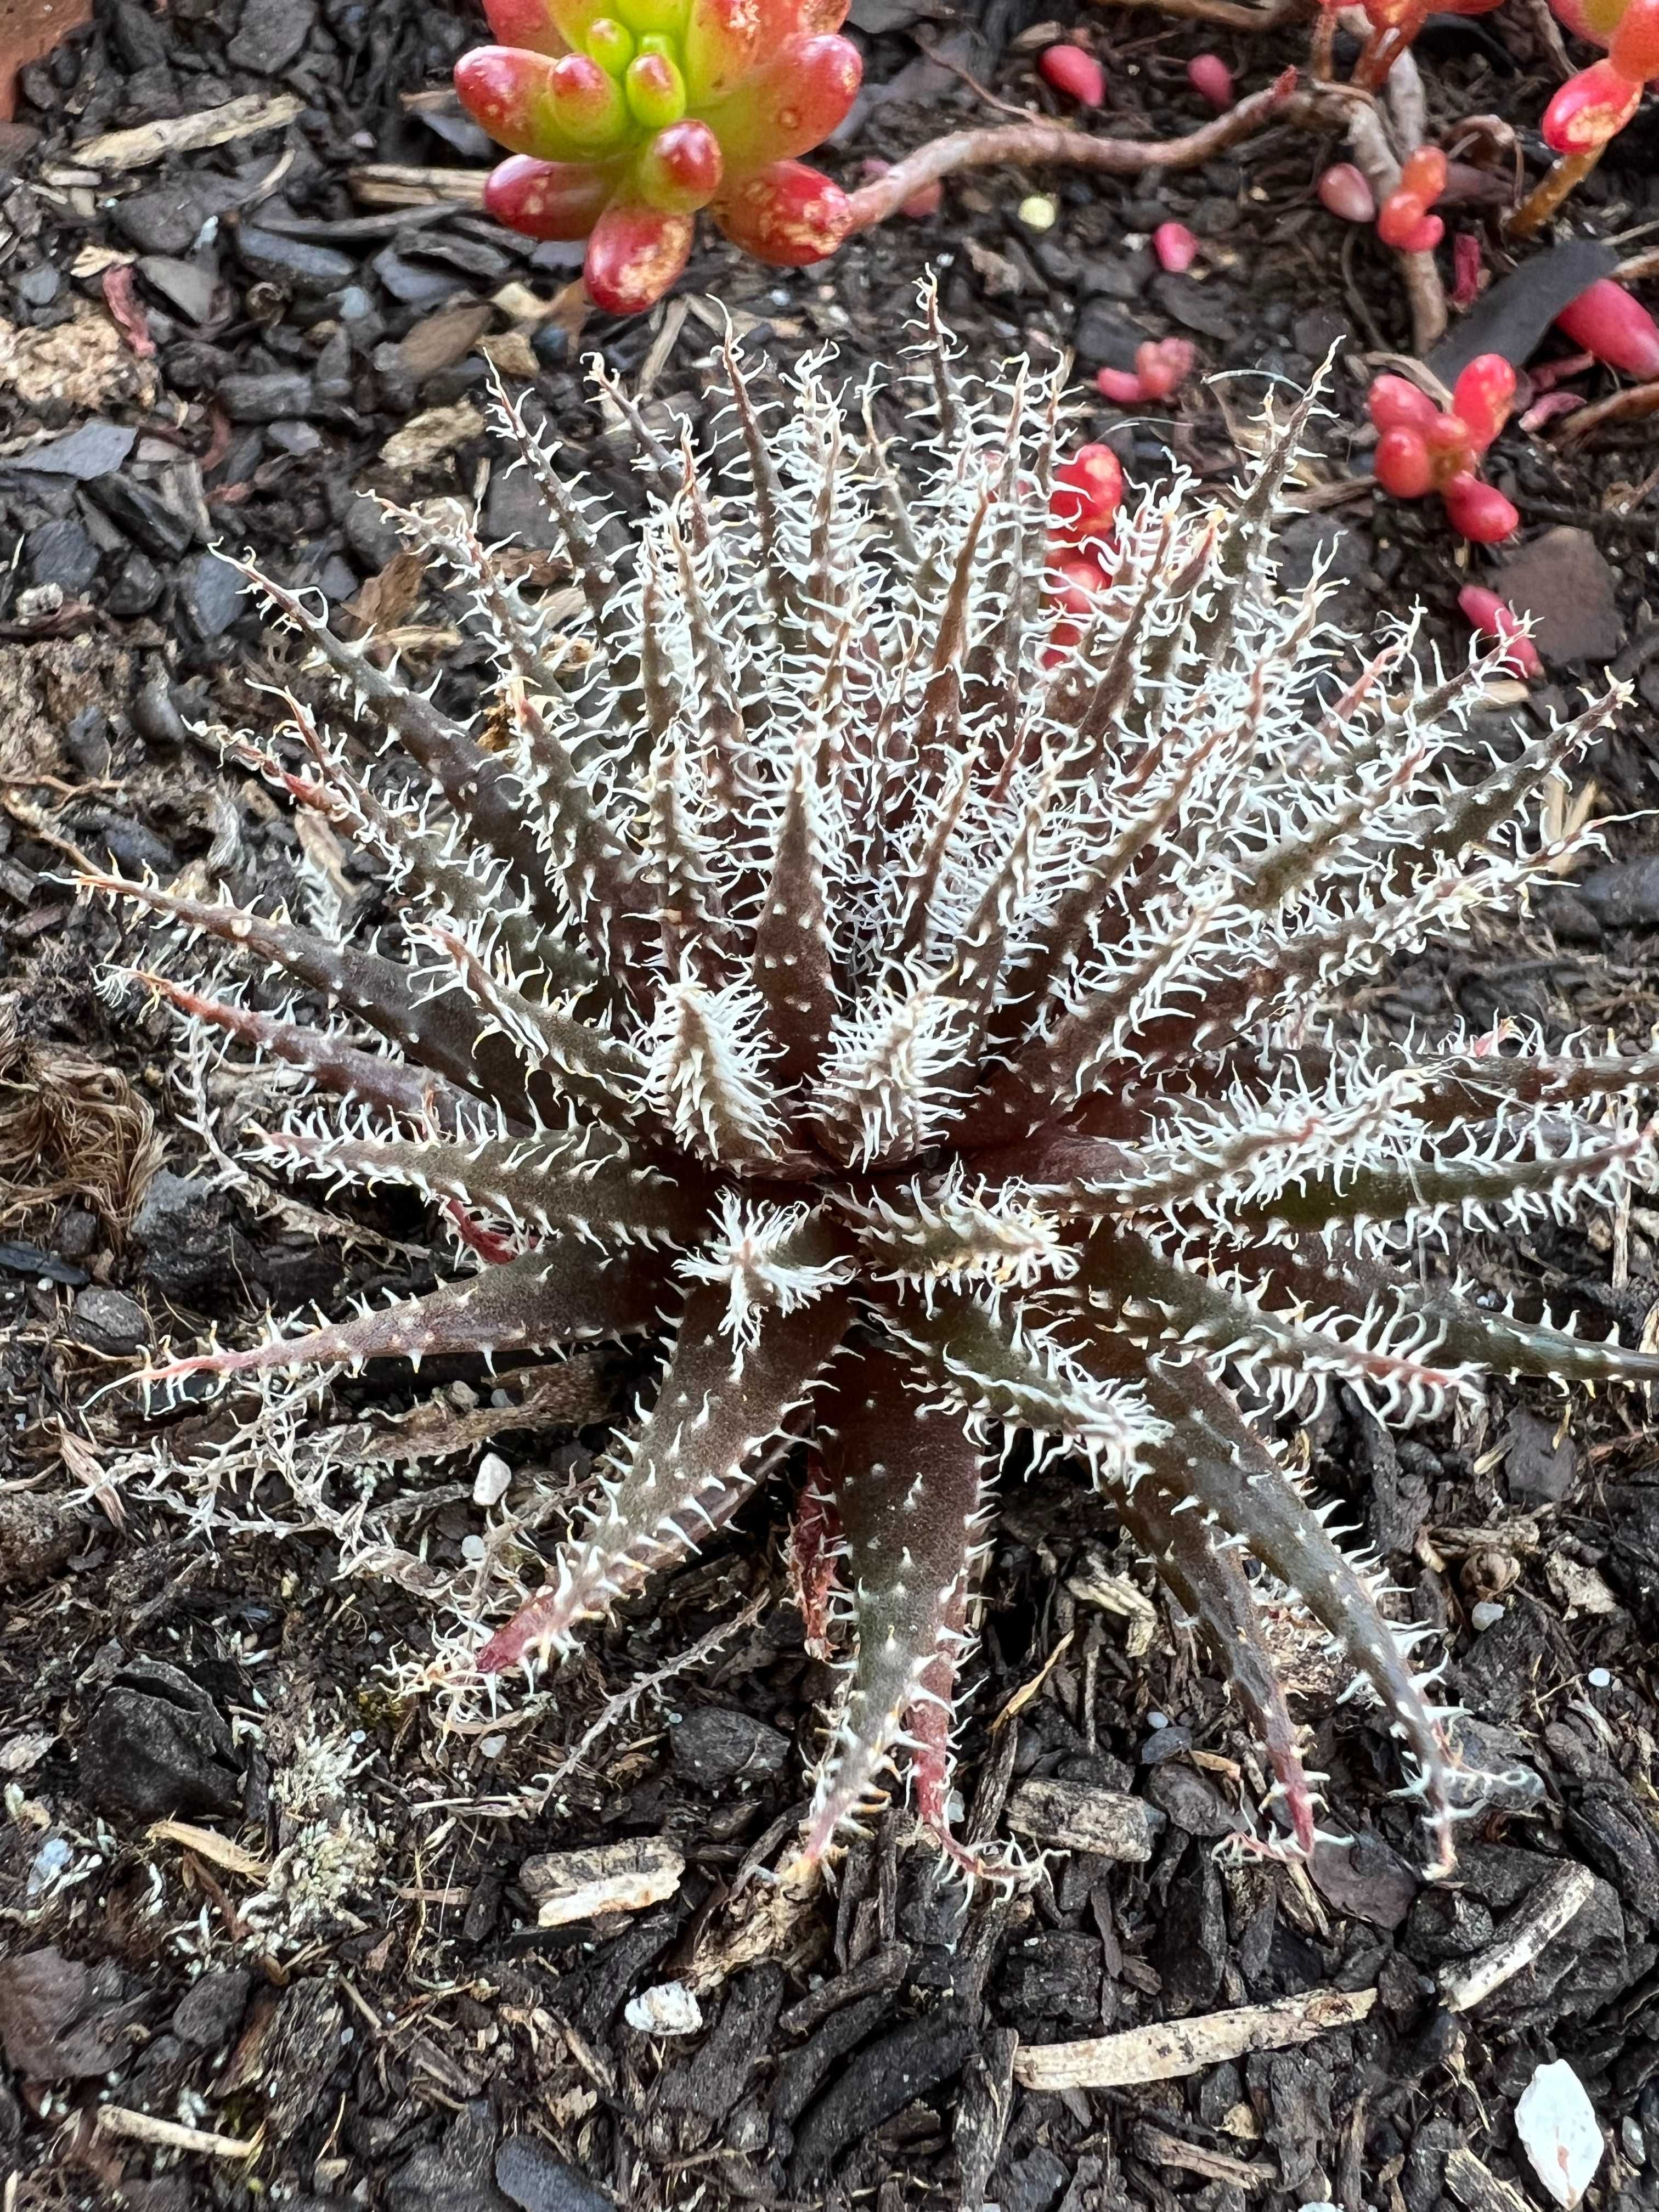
(919, 1009)
(1423, 448)
(627, 116)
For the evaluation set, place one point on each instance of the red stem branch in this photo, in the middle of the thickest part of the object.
(1019, 145)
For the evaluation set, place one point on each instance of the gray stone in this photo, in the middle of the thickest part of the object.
(1623, 894)
(39, 287)
(271, 34)
(61, 553)
(1542, 1465)
(91, 450)
(179, 1229)
(108, 1321)
(271, 397)
(1121, 276)
(1205, 308)
(1106, 336)
(156, 1744)
(164, 221)
(184, 284)
(716, 1746)
(416, 286)
(212, 593)
(1563, 580)
(537, 2181)
(292, 263)
(210, 2010)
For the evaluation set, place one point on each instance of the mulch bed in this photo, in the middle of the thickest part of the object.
(225, 348)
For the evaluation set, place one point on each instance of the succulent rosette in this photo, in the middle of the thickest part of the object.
(625, 118)
(1596, 105)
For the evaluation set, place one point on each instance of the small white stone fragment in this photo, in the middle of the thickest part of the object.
(1599, 1679)
(1559, 2132)
(669, 2009)
(489, 1484)
(1486, 1615)
(626, 1877)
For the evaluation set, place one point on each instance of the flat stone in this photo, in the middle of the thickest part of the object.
(272, 397)
(62, 553)
(1562, 581)
(1105, 335)
(527, 2172)
(1541, 1467)
(1623, 895)
(165, 221)
(271, 34)
(213, 594)
(1205, 308)
(183, 284)
(108, 1321)
(39, 287)
(92, 450)
(413, 284)
(143, 516)
(292, 263)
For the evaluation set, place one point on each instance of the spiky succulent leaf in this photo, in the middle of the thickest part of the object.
(930, 1021)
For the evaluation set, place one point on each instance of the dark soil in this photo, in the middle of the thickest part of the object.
(168, 1657)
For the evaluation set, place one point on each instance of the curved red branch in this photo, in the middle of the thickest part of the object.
(1036, 144)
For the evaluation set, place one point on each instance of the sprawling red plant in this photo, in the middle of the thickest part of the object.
(624, 118)
(1424, 448)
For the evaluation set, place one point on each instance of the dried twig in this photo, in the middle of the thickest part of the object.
(1547, 194)
(1551, 1906)
(187, 134)
(169, 2135)
(1169, 2049)
(1629, 406)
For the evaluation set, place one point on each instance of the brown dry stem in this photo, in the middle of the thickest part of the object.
(1547, 194)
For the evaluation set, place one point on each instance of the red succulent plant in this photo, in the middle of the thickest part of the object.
(624, 118)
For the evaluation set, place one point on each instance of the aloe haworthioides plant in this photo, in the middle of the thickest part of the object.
(931, 1034)
(625, 120)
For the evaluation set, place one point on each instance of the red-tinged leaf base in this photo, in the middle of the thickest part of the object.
(789, 214)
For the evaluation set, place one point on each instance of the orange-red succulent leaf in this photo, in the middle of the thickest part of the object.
(1590, 109)
(680, 170)
(1634, 49)
(551, 199)
(527, 23)
(634, 255)
(788, 214)
(790, 104)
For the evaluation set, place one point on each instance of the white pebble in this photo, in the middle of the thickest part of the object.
(1559, 2130)
(1486, 1615)
(1037, 212)
(1157, 1720)
(491, 1746)
(490, 1483)
(669, 2009)
(1599, 1679)
(473, 1549)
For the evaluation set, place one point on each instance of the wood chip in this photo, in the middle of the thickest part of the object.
(428, 437)
(1169, 2049)
(1546, 1913)
(1476, 2189)
(169, 2135)
(218, 1850)
(390, 184)
(1075, 1817)
(1159, 2147)
(187, 134)
(625, 1877)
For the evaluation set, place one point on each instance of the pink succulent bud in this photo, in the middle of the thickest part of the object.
(1486, 612)
(1175, 247)
(1088, 491)
(1588, 109)
(1076, 76)
(1121, 385)
(1163, 365)
(1344, 191)
(1482, 398)
(1479, 511)
(1608, 322)
(1403, 465)
(1394, 402)
(1211, 79)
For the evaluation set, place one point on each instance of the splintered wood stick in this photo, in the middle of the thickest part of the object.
(1167, 2049)
(1546, 1912)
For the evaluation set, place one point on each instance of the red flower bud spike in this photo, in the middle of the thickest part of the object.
(1088, 491)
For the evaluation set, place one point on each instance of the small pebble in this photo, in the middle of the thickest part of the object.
(489, 1484)
(1599, 1679)
(1559, 2132)
(1037, 212)
(669, 2009)
(1486, 1615)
